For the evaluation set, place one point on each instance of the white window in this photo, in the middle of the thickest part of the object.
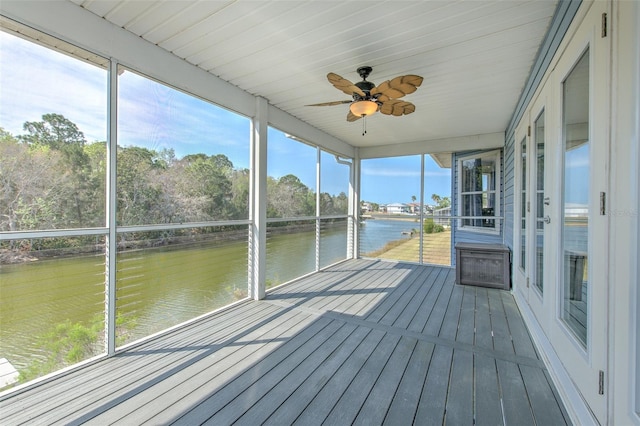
(479, 192)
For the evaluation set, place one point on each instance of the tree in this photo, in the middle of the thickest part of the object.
(58, 133)
(209, 182)
(289, 197)
(441, 202)
(138, 190)
(240, 193)
(54, 131)
(31, 183)
(341, 203)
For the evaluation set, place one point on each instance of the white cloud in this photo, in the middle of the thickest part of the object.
(36, 81)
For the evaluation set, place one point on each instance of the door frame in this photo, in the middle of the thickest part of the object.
(540, 302)
(574, 368)
(585, 364)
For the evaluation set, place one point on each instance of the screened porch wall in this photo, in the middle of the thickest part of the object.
(137, 244)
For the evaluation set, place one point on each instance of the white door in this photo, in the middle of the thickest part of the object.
(579, 330)
(532, 260)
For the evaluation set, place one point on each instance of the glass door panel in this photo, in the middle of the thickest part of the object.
(540, 201)
(575, 235)
(523, 205)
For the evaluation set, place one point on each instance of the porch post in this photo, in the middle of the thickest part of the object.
(318, 198)
(258, 201)
(353, 239)
(111, 243)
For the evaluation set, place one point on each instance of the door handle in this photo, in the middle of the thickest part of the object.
(547, 219)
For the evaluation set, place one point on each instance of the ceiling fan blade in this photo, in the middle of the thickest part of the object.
(398, 87)
(397, 108)
(331, 103)
(343, 84)
(352, 117)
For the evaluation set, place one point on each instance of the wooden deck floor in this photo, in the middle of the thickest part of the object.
(365, 342)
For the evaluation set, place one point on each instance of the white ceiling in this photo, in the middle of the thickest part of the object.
(475, 56)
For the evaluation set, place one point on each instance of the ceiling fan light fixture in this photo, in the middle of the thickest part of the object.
(363, 108)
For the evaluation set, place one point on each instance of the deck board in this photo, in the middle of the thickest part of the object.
(487, 392)
(405, 401)
(459, 406)
(431, 409)
(362, 342)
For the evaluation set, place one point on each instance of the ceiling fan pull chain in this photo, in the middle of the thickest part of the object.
(364, 124)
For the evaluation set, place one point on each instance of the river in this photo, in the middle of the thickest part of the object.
(156, 288)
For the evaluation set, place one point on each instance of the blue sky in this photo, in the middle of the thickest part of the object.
(397, 180)
(36, 81)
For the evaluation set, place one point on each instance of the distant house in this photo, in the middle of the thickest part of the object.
(442, 216)
(414, 208)
(398, 208)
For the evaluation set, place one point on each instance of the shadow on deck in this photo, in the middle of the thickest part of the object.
(364, 342)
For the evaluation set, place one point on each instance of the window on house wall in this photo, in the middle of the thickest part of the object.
(53, 127)
(523, 204)
(479, 192)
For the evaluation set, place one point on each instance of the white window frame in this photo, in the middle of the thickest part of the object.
(495, 229)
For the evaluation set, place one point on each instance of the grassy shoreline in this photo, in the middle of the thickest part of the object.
(436, 249)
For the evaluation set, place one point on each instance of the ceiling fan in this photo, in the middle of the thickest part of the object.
(367, 98)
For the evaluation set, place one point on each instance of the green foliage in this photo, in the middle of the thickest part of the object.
(69, 342)
(441, 202)
(289, 197)
(430, 227)
(54, 131)
(52, 178)
(65, 344)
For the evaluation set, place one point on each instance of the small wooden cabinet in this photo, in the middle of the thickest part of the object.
(485, 265)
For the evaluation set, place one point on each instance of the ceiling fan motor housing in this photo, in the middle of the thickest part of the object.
(365, 86)
(364, 72)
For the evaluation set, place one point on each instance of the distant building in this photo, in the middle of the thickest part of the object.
(398, 208)
(442, 216)
(414, 208)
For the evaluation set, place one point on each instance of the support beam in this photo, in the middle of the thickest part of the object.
(258, 202)
(353, 240)
(112, 237)
(318, 199)
(455, 144)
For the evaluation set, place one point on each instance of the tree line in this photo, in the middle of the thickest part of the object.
(51, 177)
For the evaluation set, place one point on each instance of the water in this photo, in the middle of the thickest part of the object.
(375, 233)
(157, 287)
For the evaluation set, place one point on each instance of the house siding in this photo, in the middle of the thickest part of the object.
(508, 190)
